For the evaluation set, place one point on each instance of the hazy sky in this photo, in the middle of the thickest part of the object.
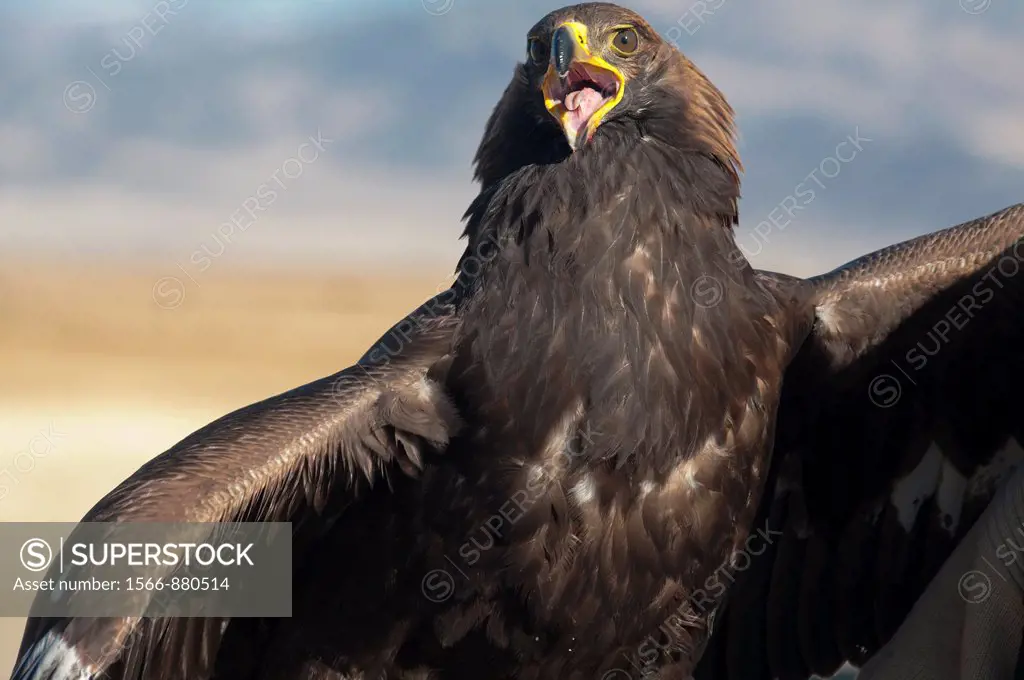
(139, 127)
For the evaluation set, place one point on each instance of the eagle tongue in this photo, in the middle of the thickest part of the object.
(581, 105)
(583, 98)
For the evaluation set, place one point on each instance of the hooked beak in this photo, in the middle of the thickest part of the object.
(580, 88)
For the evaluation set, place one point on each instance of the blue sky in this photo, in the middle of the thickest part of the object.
(138, 128)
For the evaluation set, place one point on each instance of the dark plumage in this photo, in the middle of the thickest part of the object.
(580, 432)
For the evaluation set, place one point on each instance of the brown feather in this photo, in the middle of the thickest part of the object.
(609, 432)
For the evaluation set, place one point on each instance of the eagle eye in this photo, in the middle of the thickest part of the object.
(536, 50)
(625, 40)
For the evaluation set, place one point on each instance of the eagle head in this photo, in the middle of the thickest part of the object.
(597, 69)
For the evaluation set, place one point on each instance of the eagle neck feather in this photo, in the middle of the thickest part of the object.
(608, 280)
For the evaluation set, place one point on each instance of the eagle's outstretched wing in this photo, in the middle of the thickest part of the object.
(900, 417)
(301, 457)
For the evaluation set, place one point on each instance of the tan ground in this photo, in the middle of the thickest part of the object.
(90, 359)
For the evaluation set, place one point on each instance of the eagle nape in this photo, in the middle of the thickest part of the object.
(632, 454)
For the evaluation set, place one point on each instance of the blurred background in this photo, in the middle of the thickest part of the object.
(206, 203)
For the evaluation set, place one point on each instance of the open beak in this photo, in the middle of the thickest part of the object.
(580, 88)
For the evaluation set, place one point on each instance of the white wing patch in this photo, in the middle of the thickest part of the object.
(935, 476)
(52, 658)
(911, 491)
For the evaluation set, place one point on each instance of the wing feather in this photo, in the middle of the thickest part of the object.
(899, 420)
(301, 456)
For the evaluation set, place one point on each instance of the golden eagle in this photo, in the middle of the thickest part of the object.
(617, 446)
